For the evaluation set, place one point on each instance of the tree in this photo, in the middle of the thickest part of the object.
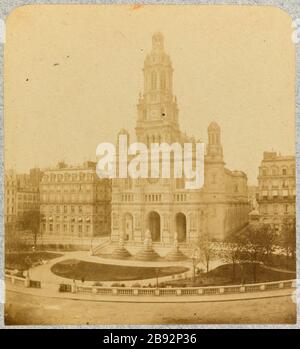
(258, 241)
(31, 221)
(232, 251)
(13, 241)
(269, 239)
(206, 250)
(288, 237)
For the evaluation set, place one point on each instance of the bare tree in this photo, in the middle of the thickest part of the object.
(13, 241)
(288, 237)
(206, 250)
(232, 251)
(258, 241)
(31, 221)
(269, 239)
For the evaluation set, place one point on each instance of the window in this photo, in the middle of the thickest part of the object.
(265, 209)
(50, 227)
(275, 184)
(286, 208)
(284, 172)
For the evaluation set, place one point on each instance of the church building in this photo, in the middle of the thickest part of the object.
(162, 205)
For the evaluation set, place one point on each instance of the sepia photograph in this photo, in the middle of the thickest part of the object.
(149, 165)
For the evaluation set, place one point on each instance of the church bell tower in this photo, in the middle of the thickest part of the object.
(157, 107)
(214, 147)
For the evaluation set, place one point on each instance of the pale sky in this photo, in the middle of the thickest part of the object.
(73, 74)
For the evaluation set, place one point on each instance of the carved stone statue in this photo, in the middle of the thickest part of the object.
(175, 254)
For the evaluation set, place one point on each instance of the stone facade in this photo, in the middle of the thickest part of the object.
(74, 202)
(164, 206)
(277, 189)
(21, 193)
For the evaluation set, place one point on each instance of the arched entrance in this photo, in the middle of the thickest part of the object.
(181, 227)
(154, 225)
(128, 226)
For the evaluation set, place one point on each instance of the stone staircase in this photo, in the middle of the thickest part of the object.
(134, 248)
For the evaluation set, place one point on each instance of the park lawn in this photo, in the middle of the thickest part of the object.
(89, 271)
(25, 260)
(246, 275)
(222, 275)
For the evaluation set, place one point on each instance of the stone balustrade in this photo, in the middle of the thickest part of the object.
(167, 291)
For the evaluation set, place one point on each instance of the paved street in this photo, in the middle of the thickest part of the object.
(24, 309)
